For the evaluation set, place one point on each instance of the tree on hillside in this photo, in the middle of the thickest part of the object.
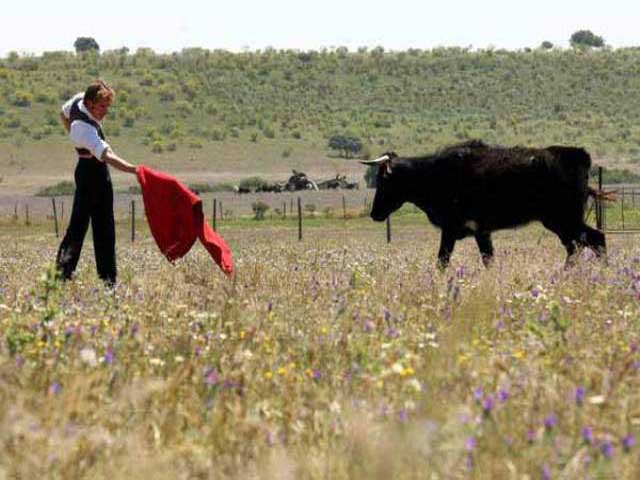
(586, 39)
(86, 44)
(546, 45)
(347, 146)
(370, 176)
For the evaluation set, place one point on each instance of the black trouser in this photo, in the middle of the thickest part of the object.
(93, 201)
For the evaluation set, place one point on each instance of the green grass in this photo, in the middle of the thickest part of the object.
(336, 357)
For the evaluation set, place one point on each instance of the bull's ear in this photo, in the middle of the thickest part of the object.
(385, 167)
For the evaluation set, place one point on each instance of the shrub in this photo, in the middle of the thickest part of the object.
(166, 94)
(146, 81)
(22, 99)
(370, 176)
(194, 143)
(60, 188)
(13, 122)
(129, 120)
(253, 183)
(217, 135)
(259, 209)
(157, 147)
(269, 132)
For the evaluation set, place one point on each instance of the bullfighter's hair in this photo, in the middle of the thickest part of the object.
(98, 91)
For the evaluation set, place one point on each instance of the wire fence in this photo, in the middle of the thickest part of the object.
(621, 216)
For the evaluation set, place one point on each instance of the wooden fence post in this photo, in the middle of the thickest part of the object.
(622, 208)
(299, 219)
(55, 215)
(344, 207)
(389, 229)
(598, 203)
(133, 220)
(26, 215)
(284, 210)
(15, 212)
(221, 211)
(213, 215)
(62, 210)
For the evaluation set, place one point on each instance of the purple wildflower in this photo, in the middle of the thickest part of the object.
(211, 377)
(19, 361)
(628, 442)
(587, 435)
(579, 395)
(368, 325)
(487, 405)
(478, 393)
(607, 449)
(550, 422)
(546, 472)
(316, 374)
(503, 395)
(54, 388)
(271, 438)
(392, 333)
(108, 356)
(403, 415)
(470, 444)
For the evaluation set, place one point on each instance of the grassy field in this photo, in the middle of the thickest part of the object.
(340, 356)
(217, 116)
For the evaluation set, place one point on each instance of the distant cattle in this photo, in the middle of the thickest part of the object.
(472, 189)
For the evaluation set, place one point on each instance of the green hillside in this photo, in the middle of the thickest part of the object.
(228, 114)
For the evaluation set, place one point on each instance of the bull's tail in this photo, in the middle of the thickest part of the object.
(606, 195)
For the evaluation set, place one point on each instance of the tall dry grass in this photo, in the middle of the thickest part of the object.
(336, 357)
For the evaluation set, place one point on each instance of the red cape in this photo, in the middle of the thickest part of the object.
(175, 218)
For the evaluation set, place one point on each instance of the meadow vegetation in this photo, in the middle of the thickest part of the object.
(264, 111)
(336, 357)
(340, 356)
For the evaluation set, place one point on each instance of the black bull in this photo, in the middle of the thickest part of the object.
(474, 189)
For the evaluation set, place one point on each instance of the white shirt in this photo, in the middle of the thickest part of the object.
(81, 133)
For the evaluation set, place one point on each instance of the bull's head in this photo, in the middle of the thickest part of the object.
(390, 193)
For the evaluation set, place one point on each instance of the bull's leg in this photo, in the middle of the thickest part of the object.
(570, 243)
(447, 242)
(593, 239)
(483, 239)
(569, 239)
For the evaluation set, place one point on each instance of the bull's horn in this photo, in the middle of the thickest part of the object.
(383, 158)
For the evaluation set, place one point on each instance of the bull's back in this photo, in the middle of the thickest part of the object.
(510, 187)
